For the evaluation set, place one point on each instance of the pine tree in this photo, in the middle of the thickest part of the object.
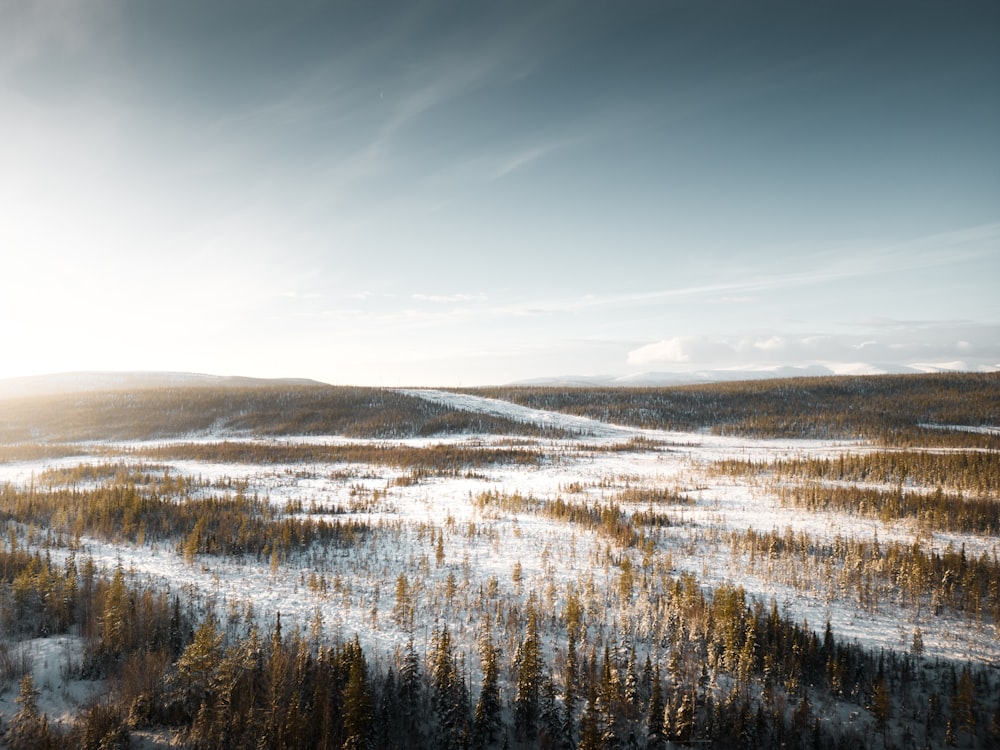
(683, 724)
(411, 696)
(358, 708)
(175, 634)
(487, 722)
(608, 701)
(801, 717)
(240, 695)
(551, 720)
(388, 721)
(570, 680)
(963, 702)
(448, 694)
(403, 610)
(632, 698)
(114, 618)
(881, 704)
(646, 684)
(654, 715)
(326, 705)
(529, 680)
(28, 730)
(590, 722)
(198, 663)
(278, 689)
(748, 654)
(674, 669)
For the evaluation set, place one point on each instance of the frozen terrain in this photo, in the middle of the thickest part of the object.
(450, 546)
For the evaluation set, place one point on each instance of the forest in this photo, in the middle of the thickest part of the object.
(235, 576)
(891, 409)
(162, 412)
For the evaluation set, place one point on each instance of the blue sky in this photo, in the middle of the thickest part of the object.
(466, 193)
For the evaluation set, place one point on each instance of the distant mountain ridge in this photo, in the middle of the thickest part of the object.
(699, 377)
(89, 406)
(89, 381)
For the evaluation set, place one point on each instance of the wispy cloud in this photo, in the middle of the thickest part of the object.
(735, 291)
(940, 249)
(522, 158)
(731, 288)
(453, 70)
(875, 260)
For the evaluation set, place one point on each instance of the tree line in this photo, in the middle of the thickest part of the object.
(893, 409)
(973, 472)
(161, 412)
(234, 524)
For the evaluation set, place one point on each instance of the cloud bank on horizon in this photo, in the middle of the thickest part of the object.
(438, 193)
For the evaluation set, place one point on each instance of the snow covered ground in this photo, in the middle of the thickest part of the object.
(52, 663)
(477, 543)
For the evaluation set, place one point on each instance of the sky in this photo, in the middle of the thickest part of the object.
(464, 193)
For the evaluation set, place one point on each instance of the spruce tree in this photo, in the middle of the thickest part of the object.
(551, 719)
(590, 722)
(632, 697)
(115, 617)
(963, 703)
(654, 715)
(881, 704)
(570, 681)
(198, 663)
(487, 722)
(448, 694)
(683, 724)
(175, 634)
(387, 716)
(529, 679)
(608, 700)
(646, 683)
(358, 705)
(28, 729)
(411, 696)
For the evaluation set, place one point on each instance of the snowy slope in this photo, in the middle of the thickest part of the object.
(497, 408)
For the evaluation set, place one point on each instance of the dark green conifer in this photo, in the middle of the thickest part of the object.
(529, 680)
(654, 714)
(590, 723)
(487, 721)
(358, 705)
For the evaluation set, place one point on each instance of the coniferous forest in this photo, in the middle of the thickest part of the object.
(808, 563)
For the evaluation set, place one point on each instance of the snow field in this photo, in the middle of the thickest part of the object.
(354, 590)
